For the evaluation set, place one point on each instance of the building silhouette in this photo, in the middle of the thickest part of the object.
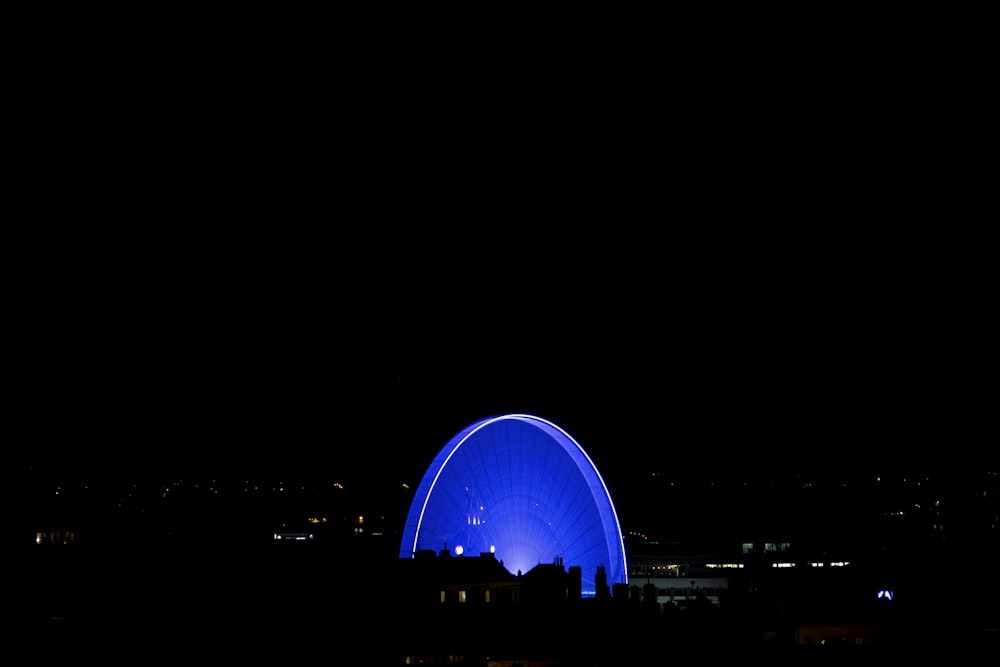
(920, 583)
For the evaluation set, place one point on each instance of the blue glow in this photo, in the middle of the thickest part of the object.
(522, 487)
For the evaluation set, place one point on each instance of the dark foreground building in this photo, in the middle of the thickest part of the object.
(209, 580)
(470, 609)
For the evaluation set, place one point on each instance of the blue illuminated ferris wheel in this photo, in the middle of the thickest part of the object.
(522, 488)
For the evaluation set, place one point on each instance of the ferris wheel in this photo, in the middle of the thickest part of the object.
(520, 487)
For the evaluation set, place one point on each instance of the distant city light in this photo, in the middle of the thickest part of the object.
(295, 537)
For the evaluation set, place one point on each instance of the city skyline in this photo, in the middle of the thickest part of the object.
(751, 280)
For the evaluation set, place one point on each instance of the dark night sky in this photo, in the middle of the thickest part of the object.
(263, 267)
(353, 362)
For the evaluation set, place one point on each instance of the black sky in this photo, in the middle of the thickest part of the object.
(236, 265)
(362, 363)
